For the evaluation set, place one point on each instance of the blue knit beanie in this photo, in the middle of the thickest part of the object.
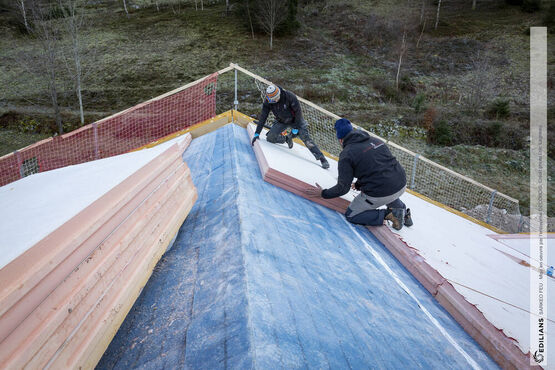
(342, 127)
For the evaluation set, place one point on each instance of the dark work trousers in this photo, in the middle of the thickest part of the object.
(363, 209)
(275, 136)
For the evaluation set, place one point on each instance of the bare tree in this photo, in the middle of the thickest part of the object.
(270, 14)
(23, 10)
(250, 19)
(402, 51)
(437, 14)
(74, 21)
(422, 11)
(408, 18)
(125, 8)
(479, 84)
(45, 63)
(421, 34)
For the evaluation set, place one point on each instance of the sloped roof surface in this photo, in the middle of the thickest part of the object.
(259, 277)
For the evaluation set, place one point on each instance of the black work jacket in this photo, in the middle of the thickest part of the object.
(378, 172)
(287, 111)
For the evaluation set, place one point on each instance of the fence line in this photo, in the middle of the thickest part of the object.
(118, 133)
(426, 176)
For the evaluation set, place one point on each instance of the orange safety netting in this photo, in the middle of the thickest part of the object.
(125, 131)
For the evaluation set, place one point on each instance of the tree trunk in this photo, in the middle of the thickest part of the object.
(54, 98)
(78, 72)
(250, 19)
(73, 25)
(421, 34)
(401, 52)
(226, 7)
(437, 14)
(125, 7)
(473, 4)
(81, 113)
(270, 14)
(24, 13)
(422, 11)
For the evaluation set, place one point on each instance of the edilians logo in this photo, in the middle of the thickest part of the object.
(538, 357)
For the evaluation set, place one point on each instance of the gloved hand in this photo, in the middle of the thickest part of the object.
(256, 136)
(295, 132)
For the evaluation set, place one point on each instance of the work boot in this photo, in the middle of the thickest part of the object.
(395, 215)
(289, 140)
(408, 218)
(325, 164)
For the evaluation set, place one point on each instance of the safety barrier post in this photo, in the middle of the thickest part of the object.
(490, 208)
(95, 131)
(235, 102)
(19, 163)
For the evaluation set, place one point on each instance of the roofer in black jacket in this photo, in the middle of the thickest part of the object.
(380, 178)
(287, 111)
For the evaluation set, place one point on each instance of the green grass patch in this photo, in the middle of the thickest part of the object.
(12, 140)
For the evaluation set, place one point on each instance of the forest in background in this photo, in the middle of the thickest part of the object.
(447, 79)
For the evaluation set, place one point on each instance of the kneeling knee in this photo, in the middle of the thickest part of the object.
(271, 138)
(348, 215)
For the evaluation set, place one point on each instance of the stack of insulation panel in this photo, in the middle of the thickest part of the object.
(63, 299)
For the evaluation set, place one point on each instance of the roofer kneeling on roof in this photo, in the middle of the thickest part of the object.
(380, 178)
(287, 111)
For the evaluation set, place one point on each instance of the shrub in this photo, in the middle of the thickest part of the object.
(440, 133)
(291, 24)
(499, 108)
(428, 119)
(487, 133)
(28, 125)
(406, 84)
(387, 90)
(419, 103)
(57, 11)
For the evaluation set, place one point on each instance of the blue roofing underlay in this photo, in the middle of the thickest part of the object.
(261, 278)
